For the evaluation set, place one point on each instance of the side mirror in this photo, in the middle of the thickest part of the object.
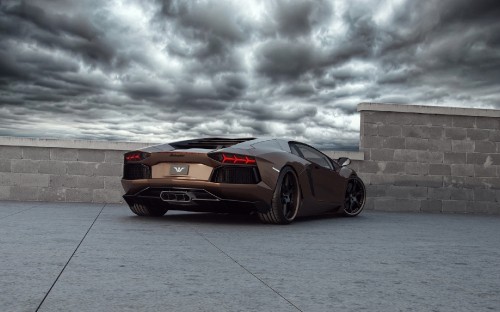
(344, 161)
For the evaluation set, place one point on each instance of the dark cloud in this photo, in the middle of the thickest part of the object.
(144, 90)
(278, 112)
(300, 89)
(163, 70)
(199, 33)
(282, 59)
(345, 108)
(9, 70)
(70, 31)
(477, 12)
(230, 86)
(298, 18)
(56, 24)
(398, 75)
(360, 38)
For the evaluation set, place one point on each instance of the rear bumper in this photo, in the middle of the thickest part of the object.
(200, 196)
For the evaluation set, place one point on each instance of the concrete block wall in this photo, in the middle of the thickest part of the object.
(435, 159)
(62, 170)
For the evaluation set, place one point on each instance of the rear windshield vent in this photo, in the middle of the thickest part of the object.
(236, 175)
(136, 171)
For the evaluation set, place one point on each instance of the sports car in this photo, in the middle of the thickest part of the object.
(276, 179)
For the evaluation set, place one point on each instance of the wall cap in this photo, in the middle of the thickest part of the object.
(422, 109)
(349, 154)
(81, 144)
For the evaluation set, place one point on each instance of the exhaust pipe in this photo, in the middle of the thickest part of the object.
(175, 196)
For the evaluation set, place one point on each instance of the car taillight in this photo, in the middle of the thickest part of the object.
(228, 158)
(136, 156)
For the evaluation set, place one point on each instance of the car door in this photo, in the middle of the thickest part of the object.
(327, 185)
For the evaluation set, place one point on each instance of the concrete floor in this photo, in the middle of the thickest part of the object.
(86, 257)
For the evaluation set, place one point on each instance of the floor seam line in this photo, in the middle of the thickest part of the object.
(5, 217)
(71, 257)
(247, 270)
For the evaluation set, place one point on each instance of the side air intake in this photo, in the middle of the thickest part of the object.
(236, 175)
(136, 172)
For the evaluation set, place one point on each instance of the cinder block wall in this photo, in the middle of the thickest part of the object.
(62, 170)
(420, 158)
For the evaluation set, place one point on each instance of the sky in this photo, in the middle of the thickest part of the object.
(160, 71)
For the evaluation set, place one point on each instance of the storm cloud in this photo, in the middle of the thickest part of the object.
(165, 70)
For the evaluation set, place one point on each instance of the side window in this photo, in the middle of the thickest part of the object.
(269, 144)
(295, 150)
(311, 154)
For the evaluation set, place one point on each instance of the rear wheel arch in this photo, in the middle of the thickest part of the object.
(299, 170)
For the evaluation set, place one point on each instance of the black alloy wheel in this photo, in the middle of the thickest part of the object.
(355, 197)
(286, 199)
(289, 191)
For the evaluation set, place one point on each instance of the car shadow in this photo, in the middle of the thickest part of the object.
(325, 216)
(202, 217)
(227, 218)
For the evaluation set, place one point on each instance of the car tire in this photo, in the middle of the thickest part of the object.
(286, 199)
(147, 211)
(355, 197)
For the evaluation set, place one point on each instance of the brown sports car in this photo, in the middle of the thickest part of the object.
(275, 178)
